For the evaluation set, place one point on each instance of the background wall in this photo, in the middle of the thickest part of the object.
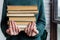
(1, 35)
(46, 7)
(47, 14)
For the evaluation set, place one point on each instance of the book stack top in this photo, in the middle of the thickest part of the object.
(22, 8)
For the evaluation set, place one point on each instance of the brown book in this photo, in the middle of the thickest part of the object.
(22, 18)
(24, 12)
(21, 23)
(22, 8)
(15, 15)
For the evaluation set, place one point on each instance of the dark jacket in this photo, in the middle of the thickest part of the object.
(40, 19)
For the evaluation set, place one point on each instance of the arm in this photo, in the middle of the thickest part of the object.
(4, 19)
(8, 30)
(36, 29)
(41, 22)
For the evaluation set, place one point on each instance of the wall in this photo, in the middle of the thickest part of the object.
(47, 14)
(1, 35)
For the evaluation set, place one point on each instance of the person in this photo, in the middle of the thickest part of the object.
(33, 31)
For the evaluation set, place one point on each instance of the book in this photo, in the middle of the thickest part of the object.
(21, 8)
(20, 12)
(20, 15)
(22, 18)
(20, 22)
(22, 27)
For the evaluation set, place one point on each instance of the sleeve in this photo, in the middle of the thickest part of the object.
(4, 19)
(41, 22)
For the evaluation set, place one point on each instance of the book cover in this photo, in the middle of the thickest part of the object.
(21, 8)
(22, 18)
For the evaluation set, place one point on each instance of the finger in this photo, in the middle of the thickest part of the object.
(36, 31)
(33, 34)
(16, 28)
(19, 29)
(13, 27)
(29, 29)
(7, 31)
(10, 31)
(10, 28)
(26, 28)
(34, 24)
(34, 27)
(8, 22)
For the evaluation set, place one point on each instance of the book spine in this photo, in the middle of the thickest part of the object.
(20, 15)
(22, 18)
(24, 12)
(21, 8)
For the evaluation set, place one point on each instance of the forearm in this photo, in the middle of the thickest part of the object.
(41, 21)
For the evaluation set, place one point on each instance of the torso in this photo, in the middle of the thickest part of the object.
(22, 2)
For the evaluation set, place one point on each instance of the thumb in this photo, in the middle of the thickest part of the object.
(7, 31)
(36, 31)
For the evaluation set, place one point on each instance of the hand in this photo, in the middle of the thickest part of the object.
(13, 29)
(31, 29)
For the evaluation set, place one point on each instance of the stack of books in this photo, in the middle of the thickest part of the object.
(22, 15)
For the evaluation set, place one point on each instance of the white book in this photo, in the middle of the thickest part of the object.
(20, 14)
(22, 27)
